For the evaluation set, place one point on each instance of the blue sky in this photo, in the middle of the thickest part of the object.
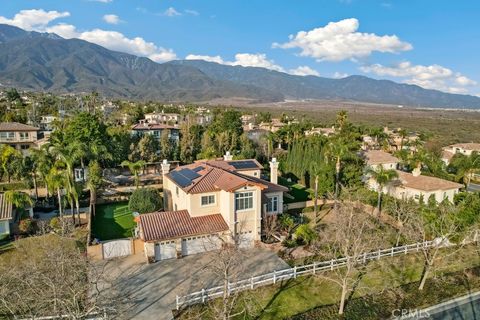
(434, 44)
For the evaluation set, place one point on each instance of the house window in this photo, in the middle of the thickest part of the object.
(244, 200)
(417, 196)
(23, 135)
(208, 200)
(157, 134)
(272, 204)
(7, 135)
(24, 147)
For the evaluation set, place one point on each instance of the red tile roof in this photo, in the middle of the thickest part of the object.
(158, 226)
(216, 176)
(426, 183)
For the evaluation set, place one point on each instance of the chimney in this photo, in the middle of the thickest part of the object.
(274, 171)
(417, 171)
(227, 156)
(165, 167)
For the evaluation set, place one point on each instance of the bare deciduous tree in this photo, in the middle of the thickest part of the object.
(49, 276)
(440, 225)
(350, 235)
(401, 211)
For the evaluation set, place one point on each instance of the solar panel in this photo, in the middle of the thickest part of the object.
(198, 169)
(243, 164)
(190, 174)
(179, 179)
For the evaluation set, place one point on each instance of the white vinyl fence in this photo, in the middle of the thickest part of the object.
(289, 273)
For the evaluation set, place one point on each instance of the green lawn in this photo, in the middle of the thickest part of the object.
(113, 221)
(306, 293)
(297, 191)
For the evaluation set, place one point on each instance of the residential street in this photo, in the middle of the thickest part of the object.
(152, 288)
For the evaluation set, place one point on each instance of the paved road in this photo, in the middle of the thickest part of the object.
(152, 288)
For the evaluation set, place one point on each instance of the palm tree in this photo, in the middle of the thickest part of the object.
(19, 199)
(341, 119)
(56, 180)
(403, 134)
(316, 171)
(8, 155)
(94, 181)
(466, 167)
(337, 150)
(382, 177)
(135, 168)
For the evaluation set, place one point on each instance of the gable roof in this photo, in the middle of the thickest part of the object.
(426, 183)
(379, 157)
(157, 226)
(16, 126)
(5, 208)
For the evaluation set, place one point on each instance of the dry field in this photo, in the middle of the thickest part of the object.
(444, 126)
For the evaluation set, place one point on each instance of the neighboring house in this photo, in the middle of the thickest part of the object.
(46, 123)
(415, 186)
(462, 148)
(165, 118)
(209, 202)
(6, 216)
(156, 130)
(320, 131)
(273, 126)
(18, 135)
(377, 158)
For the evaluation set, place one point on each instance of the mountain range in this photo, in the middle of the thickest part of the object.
(47, 62)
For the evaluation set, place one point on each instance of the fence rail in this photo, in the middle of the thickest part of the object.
(292, 273)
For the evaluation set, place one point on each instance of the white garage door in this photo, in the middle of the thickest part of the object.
(117, 248)
(200, 244)
(245, 240)
(165, 250)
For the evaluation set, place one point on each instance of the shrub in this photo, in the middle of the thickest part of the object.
(27, 226)
(286, 222)
(289, 243)
(145, 200)
(305, 233)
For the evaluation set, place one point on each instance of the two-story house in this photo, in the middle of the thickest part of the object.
(462, 148)
(156, 130)
(18, 135)
(208, 203)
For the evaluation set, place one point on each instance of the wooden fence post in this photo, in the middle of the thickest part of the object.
(392, 251)
(295, 272)
(251, 283)
(406, 249)
(274, 276)
(314, 265)
(203, 295)
(364, 257)
(331, 264)
(178, 304)
(378, 256)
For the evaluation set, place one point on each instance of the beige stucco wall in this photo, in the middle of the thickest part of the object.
(194, 204)
(251, 173)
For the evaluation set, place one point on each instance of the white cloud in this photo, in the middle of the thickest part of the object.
(304, 71)
(171, 12)
(39, 20)
(241, 59)
(111, 19)
(339, 75)
(340, 40)
(34, 19)
(102, 1)
(216, 59)
(429, 77)
(255, 60)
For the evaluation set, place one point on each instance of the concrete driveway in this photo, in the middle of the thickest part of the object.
(152, 288)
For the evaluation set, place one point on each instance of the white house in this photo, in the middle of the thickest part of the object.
(377, 158)
(462, 148)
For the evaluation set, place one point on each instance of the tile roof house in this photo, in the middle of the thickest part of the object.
(6, 216)
(416, 186)
(18, 135)
(209, 202)
(376, 158)
(462, 148)
(156, 129)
